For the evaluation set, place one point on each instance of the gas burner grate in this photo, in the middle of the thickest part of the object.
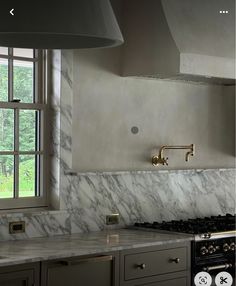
(211, 224)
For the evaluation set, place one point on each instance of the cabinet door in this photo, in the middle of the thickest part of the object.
(94, 271)
(17, 278)
(174, 282)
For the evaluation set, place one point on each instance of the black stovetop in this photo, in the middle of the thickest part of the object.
(213, 224)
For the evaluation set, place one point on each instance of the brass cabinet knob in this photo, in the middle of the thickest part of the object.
(175, 260)
(141, 266)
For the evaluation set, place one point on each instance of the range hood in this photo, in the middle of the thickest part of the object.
(180, 39)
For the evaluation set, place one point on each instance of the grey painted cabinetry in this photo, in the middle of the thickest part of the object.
(24, 275)
(166, 265)
(172, 282)
(95, 271)
(156, 266)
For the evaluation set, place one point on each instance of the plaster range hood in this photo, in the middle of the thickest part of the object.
(180, 39)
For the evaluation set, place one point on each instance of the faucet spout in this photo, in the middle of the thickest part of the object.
(190, 153)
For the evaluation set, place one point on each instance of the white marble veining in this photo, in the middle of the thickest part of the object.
(151, 196)
(61, 138)
(60, 247)
(141, 196)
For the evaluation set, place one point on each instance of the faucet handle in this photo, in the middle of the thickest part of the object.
(155, 161)
(165, 161)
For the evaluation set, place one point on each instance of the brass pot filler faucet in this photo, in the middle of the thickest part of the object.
(161, 160)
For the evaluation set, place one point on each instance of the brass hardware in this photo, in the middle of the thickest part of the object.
(161, 160)
(157, 160)
(175, 260)
(218, 267)
(205, 235)
(141, 266)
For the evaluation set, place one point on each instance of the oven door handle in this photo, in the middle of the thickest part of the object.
(217, 267)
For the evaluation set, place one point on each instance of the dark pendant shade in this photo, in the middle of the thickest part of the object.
(71, 24)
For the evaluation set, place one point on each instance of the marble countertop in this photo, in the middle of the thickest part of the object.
(40, 249)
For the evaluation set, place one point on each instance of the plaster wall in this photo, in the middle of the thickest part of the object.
(106, 106)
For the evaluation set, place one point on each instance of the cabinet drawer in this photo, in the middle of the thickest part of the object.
(96, 271)
(140, 265)
(174, 282)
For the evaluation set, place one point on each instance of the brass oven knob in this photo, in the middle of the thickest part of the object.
(175, 260)
(226, 247)
(232, 246)
(141, 266)
(203, 250)
(211, 249)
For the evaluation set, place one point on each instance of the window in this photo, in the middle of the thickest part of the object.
(22, 111)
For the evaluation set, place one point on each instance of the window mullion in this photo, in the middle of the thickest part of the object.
(10, 76)
(36, 78)
(16, 131)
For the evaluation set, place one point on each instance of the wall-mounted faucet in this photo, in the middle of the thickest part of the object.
(161, 160)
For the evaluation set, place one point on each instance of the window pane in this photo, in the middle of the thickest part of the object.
(3, 51)
(23, 81)
(6, 176)
(26, 53)
(27, 176)
(6, 129)
(3, 80)
(27, 130)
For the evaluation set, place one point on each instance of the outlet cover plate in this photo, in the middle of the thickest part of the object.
(112, 219)
(16, 227)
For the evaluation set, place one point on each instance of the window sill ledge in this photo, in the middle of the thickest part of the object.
(30, 212)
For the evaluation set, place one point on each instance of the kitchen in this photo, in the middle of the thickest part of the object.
(107, 182)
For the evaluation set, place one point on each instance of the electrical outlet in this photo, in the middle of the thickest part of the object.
(112, 219)
(16, 227)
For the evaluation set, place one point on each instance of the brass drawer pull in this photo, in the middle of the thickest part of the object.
(175, 260)
(141, 266)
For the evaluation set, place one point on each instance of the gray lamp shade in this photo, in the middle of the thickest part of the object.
(71, 24)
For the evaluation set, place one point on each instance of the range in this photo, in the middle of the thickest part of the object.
(213, 245)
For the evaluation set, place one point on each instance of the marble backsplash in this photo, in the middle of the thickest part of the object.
(136, 196)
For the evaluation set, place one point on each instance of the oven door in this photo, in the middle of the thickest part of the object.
(213, 268)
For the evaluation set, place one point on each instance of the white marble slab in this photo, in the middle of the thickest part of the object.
(60, 247)
(136, 196)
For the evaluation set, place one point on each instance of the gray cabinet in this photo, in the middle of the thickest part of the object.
(98, 270)
(173, 282)
(156, 266)
(25, 275)
(166, 265)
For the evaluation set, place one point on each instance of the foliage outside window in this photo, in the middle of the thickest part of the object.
(22, 109)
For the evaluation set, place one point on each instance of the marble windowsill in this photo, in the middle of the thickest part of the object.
(25, 212)
(41, 249)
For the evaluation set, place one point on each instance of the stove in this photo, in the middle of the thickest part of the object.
(213, 244)
(201, 228)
